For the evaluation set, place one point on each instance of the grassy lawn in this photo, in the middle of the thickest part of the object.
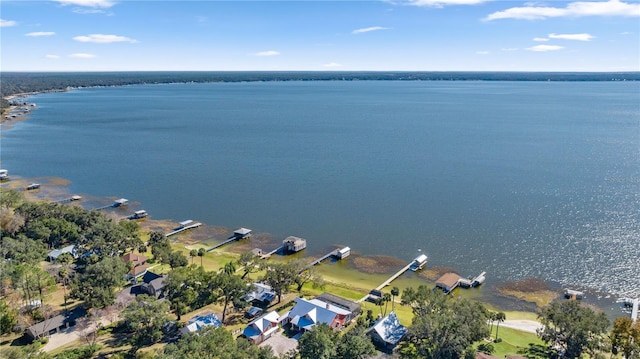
(512, 340)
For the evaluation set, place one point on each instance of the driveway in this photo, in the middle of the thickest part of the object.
(279, 343)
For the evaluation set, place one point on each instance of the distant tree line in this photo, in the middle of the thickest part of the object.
(27, 82)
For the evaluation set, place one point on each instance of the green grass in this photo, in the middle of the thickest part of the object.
(512, 341)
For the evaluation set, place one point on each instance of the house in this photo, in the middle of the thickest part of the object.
(387, 332)
(448, 282)
(201, 321)
(54, 254)
(138, 265)
(294, 244)
(354, 308)
(241, 233)
(307, 313)
(261, 294)
(56, 324)
(153, 284)
(261, 329)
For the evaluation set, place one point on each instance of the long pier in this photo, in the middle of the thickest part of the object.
(182, 229)
(317, 261)
(267, 255)
(634, 309)
(70, 199)
(221, 244)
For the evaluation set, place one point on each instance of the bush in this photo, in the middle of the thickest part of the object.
(498, 340)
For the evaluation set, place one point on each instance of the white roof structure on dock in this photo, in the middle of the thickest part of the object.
(186, 223)
(242, 231)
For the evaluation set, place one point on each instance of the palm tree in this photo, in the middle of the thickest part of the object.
(386, 298)
(394, 293)
(201, 252)
(193, 253)
(63, 272)
(500, 317)
(491, 317)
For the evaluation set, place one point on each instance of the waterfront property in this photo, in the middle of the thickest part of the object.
(294, 244)
(387, 332)
(308, 313)
(261, 294)
(262, 328)
(153, 284)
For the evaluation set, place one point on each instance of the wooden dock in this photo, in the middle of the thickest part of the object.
(182, 229)
(221, 244)
(267, 255)
(389, 280)
(317, 261)
(70, 199)
(634, 309)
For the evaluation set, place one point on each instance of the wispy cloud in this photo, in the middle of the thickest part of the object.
(51, 56)
(540, 39)
(88, 3)
(544, 48)
(332, 65)
(104, 39)
(369, 29)
(574, 9)
(81, 55)
(84, 11)
(443, 3)
(267, 53)
(576, 37)
(510, 49)
(7, 23)
(40, 33)
(482, 52)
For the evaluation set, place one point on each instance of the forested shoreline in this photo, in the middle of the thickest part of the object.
(13, 83)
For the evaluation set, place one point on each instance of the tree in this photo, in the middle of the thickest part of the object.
(394, 293)
(214, 343)
(442, 326)
(249, 263)
(625, 337)
(96, 285)
(193, 253)
(355, 344)
(573, 328)
(201, 253)
(230, 288)
(486, 348)
(8, 318)
(318, 343)
(177, 259)
(144, 318)
(500, 317)
(306, 274)
(279, 276)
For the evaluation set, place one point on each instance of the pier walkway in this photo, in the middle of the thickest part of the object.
(389, 280)
(232, 239)
(634, 309)
(182, 229)
(330, 254)
(267, 255)
(70, 199)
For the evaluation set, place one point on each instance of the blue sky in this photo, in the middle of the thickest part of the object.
(402, 35)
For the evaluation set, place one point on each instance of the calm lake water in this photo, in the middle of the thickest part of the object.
(517, 179)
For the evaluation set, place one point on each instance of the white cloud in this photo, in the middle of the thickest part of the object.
(369, 29)
(103, 39)
(332, 65)
(574, 9)
(88, 3)
(576, 37)
(482, 52)
(626, 33)
(50, 56)
(544, 48)
(40, 33)
(443, 3)
(540, 39)
(267, 53)
(7, 23)
(84, 11)
(81, 55)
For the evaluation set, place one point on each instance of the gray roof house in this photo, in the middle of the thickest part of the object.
(55, 324)
(387, 332)
(54, 254)
(153, 284)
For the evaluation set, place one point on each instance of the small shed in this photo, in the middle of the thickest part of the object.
(4, 175)
(343, 252)
(294, 244)
(75, 197)
(387, 332)
(573, 294)
(448, 282)
(241, 233)
(33, 186)
(139, 214)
